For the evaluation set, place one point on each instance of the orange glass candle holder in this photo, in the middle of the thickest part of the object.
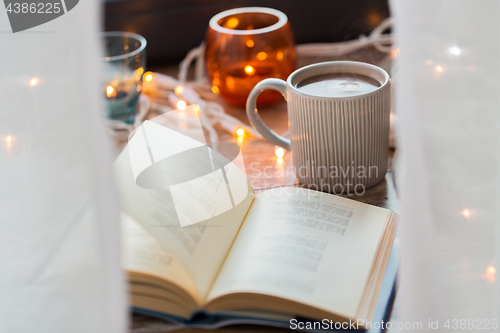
(245, 46)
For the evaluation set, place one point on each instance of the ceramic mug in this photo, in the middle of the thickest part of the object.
(339, 115)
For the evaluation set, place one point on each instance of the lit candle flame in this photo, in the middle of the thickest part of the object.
(249, 70)
(438, 68)
(466, 213)
(8, 139)
(181, 104)
(33, 81)
(280, 152)
(110, 91)
(250, 43)
(240, 131)
(215, 90)
(279, 55)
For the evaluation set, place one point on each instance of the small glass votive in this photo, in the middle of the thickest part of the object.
(125, 62)
(245, 46)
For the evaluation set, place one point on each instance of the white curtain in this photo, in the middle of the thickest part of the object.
(59, 237)
(447, 100)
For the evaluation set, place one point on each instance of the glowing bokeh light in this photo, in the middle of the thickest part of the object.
(374, 19)
(394, 53)
(181, 104)
(179, 90)
(138, 73)
(110, 91)
(148, 77)
(279, 152)
(490, 273)
(261, 55)
(454, 50)
(249, 70)
(232, 23)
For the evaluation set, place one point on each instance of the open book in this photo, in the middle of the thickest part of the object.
(283, 254)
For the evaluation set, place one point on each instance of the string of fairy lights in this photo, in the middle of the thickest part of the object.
(241, 130)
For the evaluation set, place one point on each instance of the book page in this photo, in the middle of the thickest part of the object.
(306, 246)
(143, 254)
(201, 247)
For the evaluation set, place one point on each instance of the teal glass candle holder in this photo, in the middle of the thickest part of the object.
(125, 63)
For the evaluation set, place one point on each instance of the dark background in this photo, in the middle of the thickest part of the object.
(173, 27)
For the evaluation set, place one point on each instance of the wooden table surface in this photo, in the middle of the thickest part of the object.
(259, 157)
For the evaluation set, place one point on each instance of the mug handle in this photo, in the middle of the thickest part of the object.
(253, 115)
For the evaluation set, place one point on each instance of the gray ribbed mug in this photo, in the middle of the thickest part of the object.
(340, 144)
